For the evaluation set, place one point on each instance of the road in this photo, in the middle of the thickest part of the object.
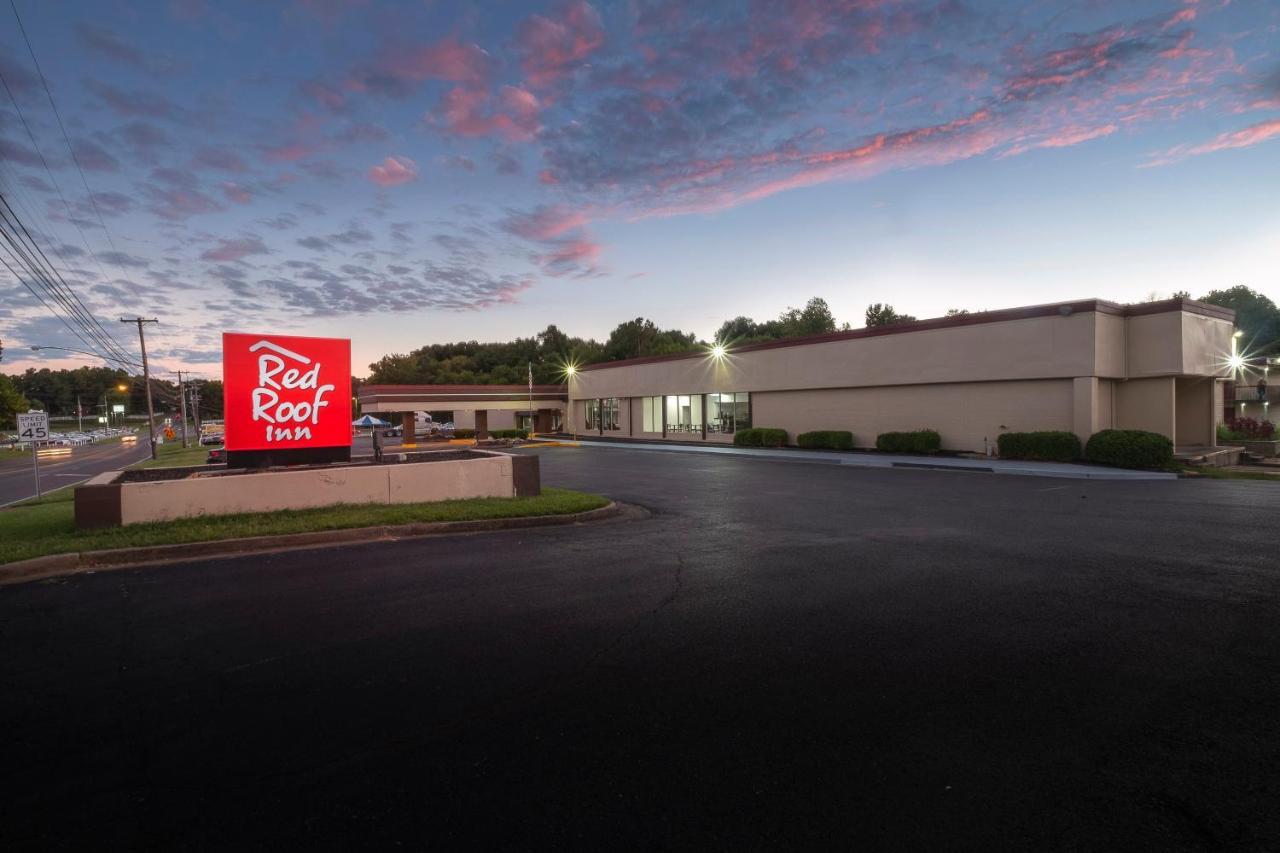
(784, 656)
(17, 480)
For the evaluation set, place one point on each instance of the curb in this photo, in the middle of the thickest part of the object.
(859, 459)
(55, 565)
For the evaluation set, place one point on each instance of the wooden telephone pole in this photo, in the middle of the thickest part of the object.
(182, 396)
(146, 379)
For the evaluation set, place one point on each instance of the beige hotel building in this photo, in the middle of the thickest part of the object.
(1080, 366)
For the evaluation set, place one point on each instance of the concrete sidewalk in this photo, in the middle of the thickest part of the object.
(1060, 470)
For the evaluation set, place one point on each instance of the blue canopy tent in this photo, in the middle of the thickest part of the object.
(369, 421)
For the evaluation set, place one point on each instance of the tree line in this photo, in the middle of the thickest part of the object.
(95, 390)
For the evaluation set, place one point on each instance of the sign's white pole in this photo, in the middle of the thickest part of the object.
(34, 427)
(35, 465)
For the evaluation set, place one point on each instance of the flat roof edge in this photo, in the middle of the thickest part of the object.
(1001, 315)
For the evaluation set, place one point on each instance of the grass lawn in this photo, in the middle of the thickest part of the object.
(47, 526)
(173, 455)
(14, 453)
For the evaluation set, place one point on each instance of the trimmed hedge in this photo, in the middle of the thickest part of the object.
(918, 441)
(464, 433)
(826, 439)
(508, 433)
(1130, 448)
(1048, 446)
(760, 437)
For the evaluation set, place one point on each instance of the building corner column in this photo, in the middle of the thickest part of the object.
(1084, 407)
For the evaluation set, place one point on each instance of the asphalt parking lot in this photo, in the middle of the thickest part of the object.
(784, 655)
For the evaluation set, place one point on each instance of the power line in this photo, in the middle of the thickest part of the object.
(59, 290)
(65, 138)
(71, 217)
(78, 307)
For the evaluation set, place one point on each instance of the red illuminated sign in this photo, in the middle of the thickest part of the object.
(282, 392)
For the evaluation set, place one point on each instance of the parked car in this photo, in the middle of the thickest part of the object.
(394, 432)
(217, 456)
(213, 438)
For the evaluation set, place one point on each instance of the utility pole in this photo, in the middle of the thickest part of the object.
(146, 378)
(195, 408)
(182, 396)
(79, 415)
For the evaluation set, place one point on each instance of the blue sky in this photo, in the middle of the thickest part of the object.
(404, 174)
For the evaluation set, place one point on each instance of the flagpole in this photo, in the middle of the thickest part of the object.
(532, 416)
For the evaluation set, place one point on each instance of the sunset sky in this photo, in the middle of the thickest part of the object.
(411, 173)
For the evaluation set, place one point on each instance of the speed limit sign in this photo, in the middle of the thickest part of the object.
(33, 426)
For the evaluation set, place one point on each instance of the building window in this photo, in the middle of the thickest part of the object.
(652, 421)
(602, 414)
(728, 412)
(684, 414)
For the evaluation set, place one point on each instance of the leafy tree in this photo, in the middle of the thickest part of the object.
(814, 319)
(640, 337)
(210, 395)
(474, 363)
(1256, 315)
(11, 402)
(737, 330)
(883, 314)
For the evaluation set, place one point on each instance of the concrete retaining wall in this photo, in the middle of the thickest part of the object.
(106, 501)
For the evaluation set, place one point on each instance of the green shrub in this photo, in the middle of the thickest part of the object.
(1049, 446)
(918, 441)
(464, 433)
(1130, 448)
(826, 439)
(509, 433)
(760, 437)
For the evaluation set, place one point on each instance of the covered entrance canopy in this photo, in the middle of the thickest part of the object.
(485, 407)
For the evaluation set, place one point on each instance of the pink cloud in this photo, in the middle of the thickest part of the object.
(1063, 138)
(570, 254)
(178, 203)
(550, 49)
(291, 153)
(543, 223)
(394, 171)
(469, 112)
(1182, 16)
(236, 193)
(566, 247)
(447, 59)
(324, 94)
(235, 250)
(400, 69)
(1252, 135)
